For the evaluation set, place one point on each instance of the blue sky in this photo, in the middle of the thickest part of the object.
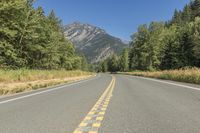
(119, 18)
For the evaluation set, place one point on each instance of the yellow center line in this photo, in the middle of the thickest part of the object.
(92, 122)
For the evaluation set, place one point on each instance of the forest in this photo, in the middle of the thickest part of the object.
(32, 40)
(169, 45)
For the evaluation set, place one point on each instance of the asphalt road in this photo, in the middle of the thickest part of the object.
(105, 104)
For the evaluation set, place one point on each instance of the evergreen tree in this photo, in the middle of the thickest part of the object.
(113, 64)
(186, 46)
(172, 45)
(104, 66)
(171, 53)
(195, 6)
(187, 14)
(84, 63)
(124, 61)
(196, 41)
(177, 18)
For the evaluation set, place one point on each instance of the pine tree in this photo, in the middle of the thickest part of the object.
(196, 41)
(124, 61)
(186, 46)
(171, 56)
(187, 14)
(172, 45)
(177, 18)
(113, 64)
(84, 63)
(103, 66)
(195, 6)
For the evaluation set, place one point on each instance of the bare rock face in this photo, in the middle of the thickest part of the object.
(92, 41)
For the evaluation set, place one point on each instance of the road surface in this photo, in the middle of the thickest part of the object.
(105, 104)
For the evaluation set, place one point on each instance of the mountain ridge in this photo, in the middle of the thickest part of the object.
(94, 42)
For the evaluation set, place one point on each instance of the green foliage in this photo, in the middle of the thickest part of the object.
(147, 47)
(187, 14)
(84, 63)
(162, 45)
(124, 61)
(195, 6)
(177, 17)
(29, 39)
(172, 45)
(113, 64)
(139, 50)
(103, 67)
(195, 37)
(171, 56)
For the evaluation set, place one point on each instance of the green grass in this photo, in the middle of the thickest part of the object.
(188, 75)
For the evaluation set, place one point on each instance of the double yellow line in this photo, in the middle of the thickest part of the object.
(92, 122)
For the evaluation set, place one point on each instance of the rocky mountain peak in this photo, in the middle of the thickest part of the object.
(92, 41)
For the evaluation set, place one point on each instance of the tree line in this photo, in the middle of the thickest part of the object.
(115, 63)
(166, 45)
(32, 40)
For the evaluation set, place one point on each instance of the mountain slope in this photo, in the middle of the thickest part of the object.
(92, 41)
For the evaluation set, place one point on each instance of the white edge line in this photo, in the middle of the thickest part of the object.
(165, 82)
(45, 91)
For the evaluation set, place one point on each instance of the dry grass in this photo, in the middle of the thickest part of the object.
(188, 75)
(15, 81)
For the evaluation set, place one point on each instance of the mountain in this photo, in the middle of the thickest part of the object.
(93, 41)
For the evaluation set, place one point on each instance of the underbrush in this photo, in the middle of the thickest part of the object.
(188, 75)
(25, 75)
(15, 81)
